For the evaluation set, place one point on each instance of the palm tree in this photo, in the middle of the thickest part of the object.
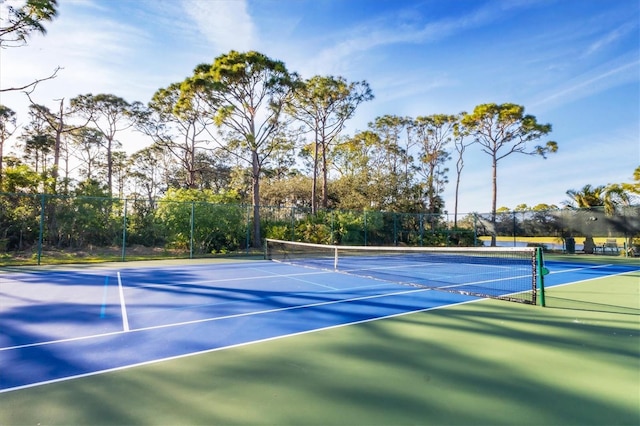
(608, 197)
(587, 197)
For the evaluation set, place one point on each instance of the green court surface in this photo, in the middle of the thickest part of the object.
(489, 362)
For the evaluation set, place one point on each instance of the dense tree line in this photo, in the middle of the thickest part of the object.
(249, 130)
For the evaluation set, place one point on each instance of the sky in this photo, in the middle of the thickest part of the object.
(574, 64)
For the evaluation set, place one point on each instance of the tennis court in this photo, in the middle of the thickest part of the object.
(68, 323)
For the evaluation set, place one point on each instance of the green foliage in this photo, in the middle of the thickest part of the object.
(19, 219)
(201, 220)
(21, 178)
(312, 232)
(277, 231)
(324, 104)
(97, 221)
(24, 20)
(247, 92)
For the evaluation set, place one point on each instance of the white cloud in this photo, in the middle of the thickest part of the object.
(225, 24)
(611, 37)
(620, 71)
(396, 29)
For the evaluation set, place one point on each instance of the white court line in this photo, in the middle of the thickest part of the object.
(271, 310)
(155, 361)
(222, 280)
(582, 269)
(238, 345)
(123, 306)
(555, 286)
(292, 276)
(244, 314)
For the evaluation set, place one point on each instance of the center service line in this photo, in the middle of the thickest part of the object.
(125, 319)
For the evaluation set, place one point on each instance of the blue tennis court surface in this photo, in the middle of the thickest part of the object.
(56, 325)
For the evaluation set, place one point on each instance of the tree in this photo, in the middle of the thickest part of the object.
(203, 220)
(587, 197)
(294, 191)
(147, 169)
(39, 142)
(21, 22)
(502, 130)
(460, 144)
(249, 92)
(324, 104)
(56, 122)
(87, 145)
(434, 133)
(110, 114)
(606, 196)
(7, 127)
(177, 119)
(24, 20)
(394, 163)
(623, 194)
(372, 171)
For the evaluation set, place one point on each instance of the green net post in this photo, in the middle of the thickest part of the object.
(541, 271)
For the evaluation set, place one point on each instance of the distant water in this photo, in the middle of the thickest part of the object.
(550, 246)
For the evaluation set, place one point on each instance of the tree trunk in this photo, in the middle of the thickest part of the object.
(455, 203)
(1, 158)
(255, 165)
(325, 190)
(109, 167)
(494, 200)
(191, 172)
(56, 151)
(314, 185)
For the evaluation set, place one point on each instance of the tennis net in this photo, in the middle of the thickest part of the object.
(495, 272)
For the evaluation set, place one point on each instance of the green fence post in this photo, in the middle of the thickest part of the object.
(333, 232)
(514, 229)
(395, 229)
(248, 228)
(41, 231)
(124, 231)
(475, 230)
(364, 222)
(293, 223)
(193, 212)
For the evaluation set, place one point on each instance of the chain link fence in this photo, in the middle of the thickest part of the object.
(568, 230)
(42, 228)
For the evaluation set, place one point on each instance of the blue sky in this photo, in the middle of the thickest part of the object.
(572, 63)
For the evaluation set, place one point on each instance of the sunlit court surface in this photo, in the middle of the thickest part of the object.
(68, 324)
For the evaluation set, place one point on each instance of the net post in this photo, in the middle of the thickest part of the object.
(541, 271)
(335, 258)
